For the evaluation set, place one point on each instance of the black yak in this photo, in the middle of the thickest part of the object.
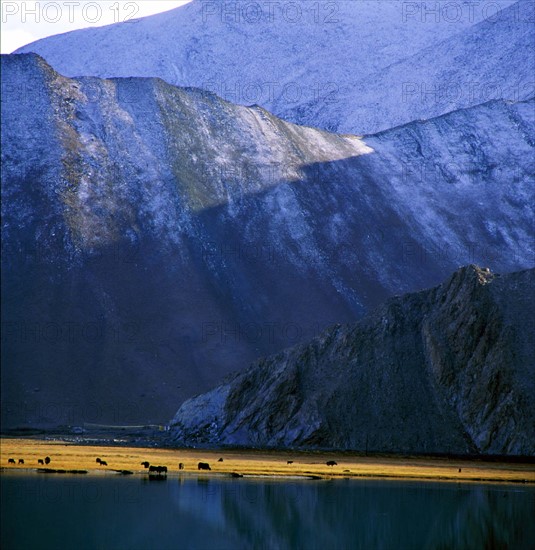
(103, 463)
(11, 461)
(332, 463)
(145, 464)
(290, 462)
(47, 460)
(21, 461)
(220, 460)
(41, 461)
(180, 465)
(203, 466)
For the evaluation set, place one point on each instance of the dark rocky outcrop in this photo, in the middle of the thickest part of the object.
(446, 370)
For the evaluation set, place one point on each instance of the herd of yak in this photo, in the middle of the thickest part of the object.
(153, 470)
(42, 461)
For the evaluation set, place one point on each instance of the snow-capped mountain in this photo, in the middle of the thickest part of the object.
(347, 66)
(156, 238)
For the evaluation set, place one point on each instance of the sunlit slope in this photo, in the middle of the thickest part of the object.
(156, 238)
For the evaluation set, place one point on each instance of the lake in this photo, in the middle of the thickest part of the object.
(113, 512)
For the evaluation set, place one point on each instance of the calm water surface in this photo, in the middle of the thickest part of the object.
(56, 512)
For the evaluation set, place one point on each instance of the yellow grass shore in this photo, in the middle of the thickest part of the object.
(71, 456)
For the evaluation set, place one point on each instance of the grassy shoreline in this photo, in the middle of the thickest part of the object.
(255, 463)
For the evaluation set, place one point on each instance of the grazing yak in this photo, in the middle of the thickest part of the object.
(203, 466)
(145, 464)
(180, 465)
(47, 460)
(98, 461)
(332, 463)
(11, 461)
(21, 461)
(220, 460)
(290, 462)
(41, 461)
(103, 463)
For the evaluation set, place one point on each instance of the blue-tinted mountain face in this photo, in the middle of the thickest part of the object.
(157, 238)
(346, 66)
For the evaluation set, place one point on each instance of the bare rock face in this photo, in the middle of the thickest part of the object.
(446, 370)
(155, 239)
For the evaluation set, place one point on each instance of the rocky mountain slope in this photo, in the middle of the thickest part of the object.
(446, 370)
(156, 238)
(395, 61)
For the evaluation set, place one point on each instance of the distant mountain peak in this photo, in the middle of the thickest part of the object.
(346, 66)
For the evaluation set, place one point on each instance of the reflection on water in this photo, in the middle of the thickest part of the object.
(50, 511)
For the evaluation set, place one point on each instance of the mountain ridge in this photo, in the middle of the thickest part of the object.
(155, 239)
(438, 371)
(359, 94)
